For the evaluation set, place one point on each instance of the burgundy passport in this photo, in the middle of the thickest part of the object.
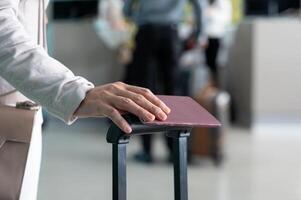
(185, 112)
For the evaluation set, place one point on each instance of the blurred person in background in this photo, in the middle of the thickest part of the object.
(157, 51)
(28, 72)
(217, 15)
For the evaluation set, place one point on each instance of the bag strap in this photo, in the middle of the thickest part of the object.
(41, 24)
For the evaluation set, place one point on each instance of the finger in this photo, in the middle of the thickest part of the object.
(150, 96)
(116, 117)
(144, 103)
(129, 105)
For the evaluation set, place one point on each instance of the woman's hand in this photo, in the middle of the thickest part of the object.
(112, 100)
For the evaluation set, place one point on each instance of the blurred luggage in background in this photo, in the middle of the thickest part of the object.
(207, 142)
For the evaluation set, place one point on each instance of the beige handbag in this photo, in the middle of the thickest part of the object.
(16, 125)
(15, 136)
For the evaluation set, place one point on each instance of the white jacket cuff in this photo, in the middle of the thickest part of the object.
(66, 107)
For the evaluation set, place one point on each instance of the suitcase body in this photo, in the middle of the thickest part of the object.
(208, 142)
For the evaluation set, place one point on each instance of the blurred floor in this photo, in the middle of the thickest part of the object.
(77, 166)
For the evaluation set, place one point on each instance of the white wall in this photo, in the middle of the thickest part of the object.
(277, 67)
(264, 71)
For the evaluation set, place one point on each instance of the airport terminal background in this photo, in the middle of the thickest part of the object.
(259, 68)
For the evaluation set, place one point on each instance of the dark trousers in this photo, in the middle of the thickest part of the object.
(211, 57)
(155, 64)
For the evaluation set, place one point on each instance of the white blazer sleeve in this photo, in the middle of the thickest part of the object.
(33, 72)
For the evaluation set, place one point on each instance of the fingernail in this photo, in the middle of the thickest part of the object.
(168, 110)
(149, 118)
(162, 116)
(152, 117)
(128, 129)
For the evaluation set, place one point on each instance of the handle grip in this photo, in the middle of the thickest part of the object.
(115, 135)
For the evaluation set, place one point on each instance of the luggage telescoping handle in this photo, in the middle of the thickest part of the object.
(119, 140)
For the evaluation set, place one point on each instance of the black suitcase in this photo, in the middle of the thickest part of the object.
(119, 141)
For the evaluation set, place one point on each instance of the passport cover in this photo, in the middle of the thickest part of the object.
(185, 112)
